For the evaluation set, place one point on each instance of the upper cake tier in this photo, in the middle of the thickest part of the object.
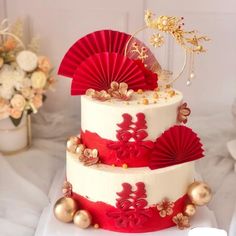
(124, 132)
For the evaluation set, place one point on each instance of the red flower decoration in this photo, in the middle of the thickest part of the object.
(151, 78)
(131, 211)
(177, 145)
(131, 130)
(183, 113)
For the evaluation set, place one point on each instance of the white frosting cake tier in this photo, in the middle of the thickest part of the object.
(160, 112)
(102, 182)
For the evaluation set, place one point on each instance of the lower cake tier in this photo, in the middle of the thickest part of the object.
(132, 199)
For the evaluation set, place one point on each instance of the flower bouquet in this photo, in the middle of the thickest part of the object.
(24, 79)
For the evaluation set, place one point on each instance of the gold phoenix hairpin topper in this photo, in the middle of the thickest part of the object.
(190, 41)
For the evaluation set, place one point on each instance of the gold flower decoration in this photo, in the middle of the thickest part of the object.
(89, 157)
(181, 221)
(98, 95)
(117, 90)
(67, 189)
(167, 23)
(165, 208)
(72, 144)
(157, 40)
(82, 153)
(183, 113)
(120, 91)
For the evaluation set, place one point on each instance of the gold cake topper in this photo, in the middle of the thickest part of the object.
(190, 41)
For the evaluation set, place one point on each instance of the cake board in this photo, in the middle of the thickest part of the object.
(49, 226)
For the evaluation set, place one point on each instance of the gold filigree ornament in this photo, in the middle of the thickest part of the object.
(190, 41)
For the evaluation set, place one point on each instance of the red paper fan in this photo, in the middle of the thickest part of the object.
(177, 145)
(101, 41)
(99, 70)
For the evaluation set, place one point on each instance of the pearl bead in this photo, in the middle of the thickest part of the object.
(192, 75)
(164, 22)
(189, 82)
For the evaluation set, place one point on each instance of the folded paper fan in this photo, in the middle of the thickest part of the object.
(102, 41)
(177, 145)
(98, 71)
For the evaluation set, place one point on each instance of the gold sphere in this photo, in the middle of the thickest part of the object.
(199, 193)
(82, 219)
(65, 208)
(190, 210)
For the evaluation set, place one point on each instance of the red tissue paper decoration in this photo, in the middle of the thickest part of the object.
(177, 145)
(108, 156)
(151, 78)
(98, 71)
(102, 41)
(129, 130)
(100, 212)
(131, 207)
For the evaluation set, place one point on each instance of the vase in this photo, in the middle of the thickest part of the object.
(14, 139)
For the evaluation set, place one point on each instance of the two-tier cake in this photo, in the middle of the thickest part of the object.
(131, 168)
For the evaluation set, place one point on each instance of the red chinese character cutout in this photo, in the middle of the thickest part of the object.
(131, 137)
(131, 211)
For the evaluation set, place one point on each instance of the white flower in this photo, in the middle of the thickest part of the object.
(18, 102)
(11, 78)
(38, 80)
(27, 60)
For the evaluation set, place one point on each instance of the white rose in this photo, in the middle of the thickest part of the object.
(18, 102)
(27, 60)
(38, 79)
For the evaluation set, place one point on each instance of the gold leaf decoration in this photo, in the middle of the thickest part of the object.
(141, 51)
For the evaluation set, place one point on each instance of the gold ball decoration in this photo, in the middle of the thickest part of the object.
(82, 219)
(199, 193)
(190, 210)
(65, 209)
(96, 226)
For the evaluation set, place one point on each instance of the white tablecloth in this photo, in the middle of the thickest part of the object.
(25, 179)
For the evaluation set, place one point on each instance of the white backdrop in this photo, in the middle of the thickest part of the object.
(60, 23)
